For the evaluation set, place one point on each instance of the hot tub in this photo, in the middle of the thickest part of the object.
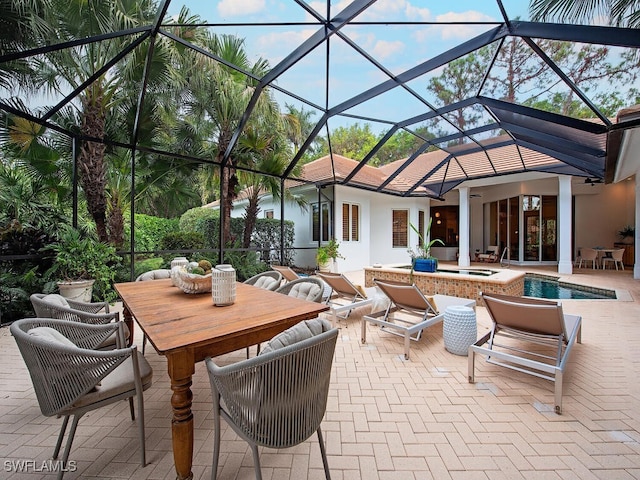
(451, 280)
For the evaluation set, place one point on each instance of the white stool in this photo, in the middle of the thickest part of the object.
(459, 329)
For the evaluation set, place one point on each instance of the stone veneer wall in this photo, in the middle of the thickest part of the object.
(464, 286)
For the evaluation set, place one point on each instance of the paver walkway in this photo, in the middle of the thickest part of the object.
(387, 418)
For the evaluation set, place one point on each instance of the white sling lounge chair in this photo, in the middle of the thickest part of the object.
(344, 296)
(409, 299)
(525, 322)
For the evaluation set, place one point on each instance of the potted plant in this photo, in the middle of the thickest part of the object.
(422, 261)
(327, 255)
(82, 264)
(627, 234)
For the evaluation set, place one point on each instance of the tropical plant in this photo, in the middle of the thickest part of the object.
(623, 13)
(328, 252)
(424, 247)
(80, 257)
(627, 231)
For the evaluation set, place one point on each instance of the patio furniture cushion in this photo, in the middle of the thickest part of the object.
(56, 299)
(305, 290)
(380, 301)
(265, 282)
(297, 333)
(158, 274)
(51, 335)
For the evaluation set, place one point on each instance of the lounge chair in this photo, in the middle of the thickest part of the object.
(287, 273)
(492, 254)
(534, 322)
(407, 298)
(344, 296)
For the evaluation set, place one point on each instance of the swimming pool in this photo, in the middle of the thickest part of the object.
(549, 287)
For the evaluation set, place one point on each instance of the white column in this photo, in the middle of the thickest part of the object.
(565, 265)
(463, 230)
(636, 263)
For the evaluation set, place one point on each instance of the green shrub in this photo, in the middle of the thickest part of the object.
(182, 240)
(266, 238)
(149, 231)
(190, 218)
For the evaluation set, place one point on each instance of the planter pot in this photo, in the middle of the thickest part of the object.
(425, 265)
(331, 266)
(79, 290)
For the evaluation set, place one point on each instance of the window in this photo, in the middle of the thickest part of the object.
(268, 214)
(400, 229)
(350, 222)
(421, 226)
(320, 222)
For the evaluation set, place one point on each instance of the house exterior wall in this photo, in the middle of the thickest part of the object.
(600, 211)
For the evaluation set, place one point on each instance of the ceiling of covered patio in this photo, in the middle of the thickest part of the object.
(366, 62)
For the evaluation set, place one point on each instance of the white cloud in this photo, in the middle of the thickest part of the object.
(274, 44)
(463, 31)
(232, 8)
(416, 13)
(384, 49)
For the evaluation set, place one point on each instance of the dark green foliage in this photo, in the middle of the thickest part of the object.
(266, 237)
(20, 278)
(18, 240)
(210, 229)
(246, 264)
(182, 240)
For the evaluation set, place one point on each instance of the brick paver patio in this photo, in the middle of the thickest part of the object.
(387, 418)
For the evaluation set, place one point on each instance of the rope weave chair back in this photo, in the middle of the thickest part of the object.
(61, 374)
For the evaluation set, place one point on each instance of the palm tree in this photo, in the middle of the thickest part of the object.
(65, 70)
(621, 13)
(220, 96)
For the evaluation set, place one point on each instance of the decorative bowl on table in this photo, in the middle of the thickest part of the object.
(193, 282)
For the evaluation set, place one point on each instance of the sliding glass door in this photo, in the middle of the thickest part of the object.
(540, 214)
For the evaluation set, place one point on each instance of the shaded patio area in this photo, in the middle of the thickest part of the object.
(386, 418)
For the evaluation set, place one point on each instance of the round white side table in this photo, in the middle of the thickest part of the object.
(459, 329)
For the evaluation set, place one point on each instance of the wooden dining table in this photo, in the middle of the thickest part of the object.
(187, 328)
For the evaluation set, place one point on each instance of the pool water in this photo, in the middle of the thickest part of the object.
(541, 287)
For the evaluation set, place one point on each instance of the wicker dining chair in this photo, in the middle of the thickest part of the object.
(269, 280)
(307, 288)
(278, 398)
(96, 313)
(71, 378)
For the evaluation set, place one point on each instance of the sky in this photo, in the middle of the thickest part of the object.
(396, 47)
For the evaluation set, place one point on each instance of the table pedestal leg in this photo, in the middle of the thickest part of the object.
(182, 422)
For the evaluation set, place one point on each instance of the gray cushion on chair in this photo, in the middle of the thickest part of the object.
(297, 333)
(51, 335)
(305, 291)
(118, 381)
(154, 275)
(265, 282)
(56, 299)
